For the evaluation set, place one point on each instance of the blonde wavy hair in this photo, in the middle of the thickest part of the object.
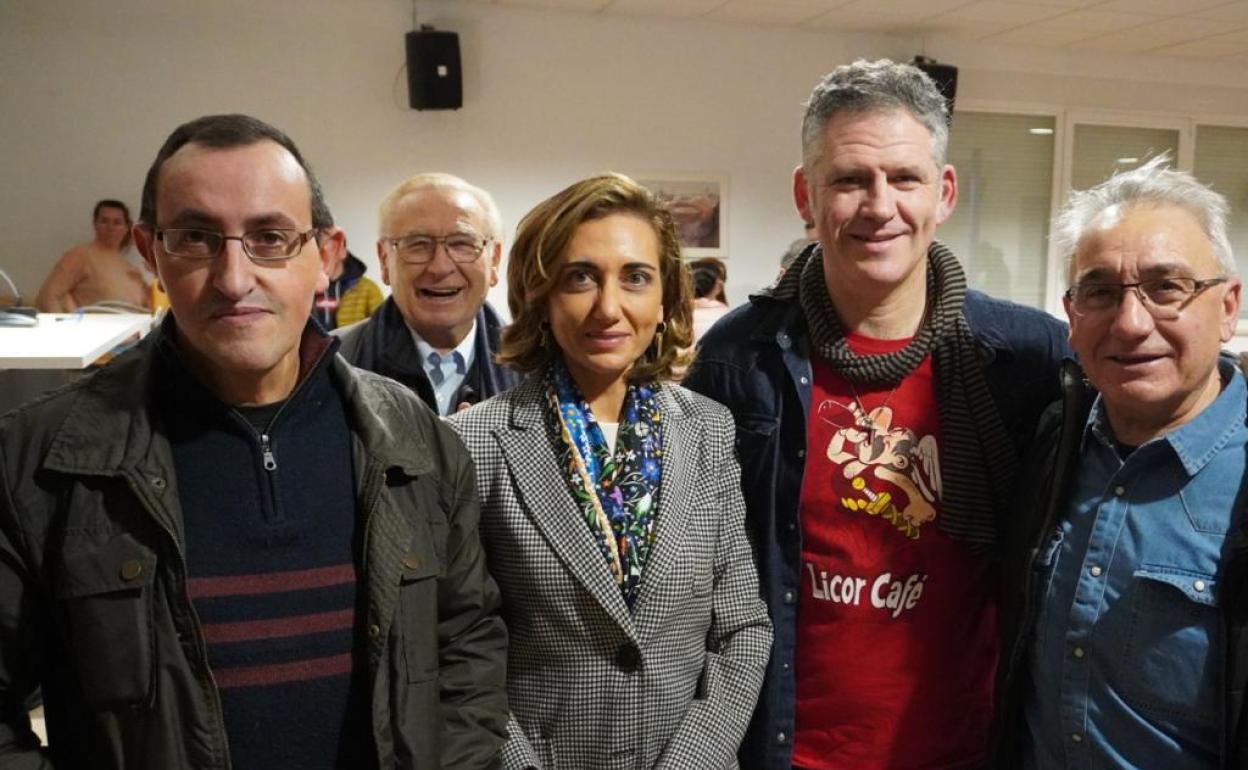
(542, 239)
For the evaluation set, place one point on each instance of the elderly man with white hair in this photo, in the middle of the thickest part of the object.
(440, 249)
(1125, 611)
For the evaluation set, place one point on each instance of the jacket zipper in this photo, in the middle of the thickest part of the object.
(1070, 414)
(201, 650)
(371, 485)
(373, 473)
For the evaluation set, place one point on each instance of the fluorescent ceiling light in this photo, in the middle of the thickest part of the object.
(1040, 131)
(1124, 161)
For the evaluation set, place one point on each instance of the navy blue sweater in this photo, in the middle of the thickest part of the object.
(271, 546)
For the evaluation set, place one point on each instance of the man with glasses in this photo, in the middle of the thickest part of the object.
(229, 547)
(440, 249)
(1126, 607)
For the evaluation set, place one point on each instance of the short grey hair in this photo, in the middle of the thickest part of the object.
(875, 86)
(444, 181)
(1152, 184)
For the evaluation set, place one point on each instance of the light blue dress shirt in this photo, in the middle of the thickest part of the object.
(446, 372)
(1126, 666)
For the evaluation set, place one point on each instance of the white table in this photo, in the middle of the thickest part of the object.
(67, 340)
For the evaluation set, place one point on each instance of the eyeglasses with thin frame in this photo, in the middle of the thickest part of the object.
(269, 244)
(417, 248)
(1164, 298)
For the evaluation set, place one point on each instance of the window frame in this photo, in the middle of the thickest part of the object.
(1065, 119)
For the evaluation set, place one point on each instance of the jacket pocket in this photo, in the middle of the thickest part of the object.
(752, 431)
(418, 610)
(104, 592)
(1172, 669)
(709, 679)
(755, 451)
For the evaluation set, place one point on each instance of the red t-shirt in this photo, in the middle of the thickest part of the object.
(897, 624)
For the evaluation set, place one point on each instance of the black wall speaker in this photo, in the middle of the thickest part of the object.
(434, 78)
(944, 75)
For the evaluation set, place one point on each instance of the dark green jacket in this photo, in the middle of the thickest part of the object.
(93, 602)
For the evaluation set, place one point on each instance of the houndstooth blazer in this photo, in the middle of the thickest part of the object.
(591, 685)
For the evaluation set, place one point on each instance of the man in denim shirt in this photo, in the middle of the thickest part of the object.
(1122, 656)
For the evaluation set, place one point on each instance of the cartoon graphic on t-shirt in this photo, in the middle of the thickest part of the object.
(880, 460)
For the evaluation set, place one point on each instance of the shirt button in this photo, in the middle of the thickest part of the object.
(1120, 491)
(785, 667)
(801, 453)
(804, 380)
(1078, 652)
(411, 560)
(782, 737)
(792, 527)
(1199, 585)
(1076, 737)
(788, 597)
(1096, 571)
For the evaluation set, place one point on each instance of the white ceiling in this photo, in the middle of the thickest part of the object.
(1208, 29)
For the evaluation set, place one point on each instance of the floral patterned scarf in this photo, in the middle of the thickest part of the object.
(617, 493)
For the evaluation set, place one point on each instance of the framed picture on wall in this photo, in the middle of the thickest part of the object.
(698, 206)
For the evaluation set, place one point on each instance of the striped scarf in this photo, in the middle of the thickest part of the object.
(979, 461)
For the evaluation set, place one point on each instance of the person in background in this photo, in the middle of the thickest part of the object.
(440, 249)
(709, 301)
(881, 410)
(229, 547)
(350, 296)
(611, 503)
(1126, 609)
(97, 271)
(796, 248)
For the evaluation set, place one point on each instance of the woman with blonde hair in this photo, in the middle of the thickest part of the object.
(611, 505)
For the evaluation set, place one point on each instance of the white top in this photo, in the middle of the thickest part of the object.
(705, 315)
(609, 432)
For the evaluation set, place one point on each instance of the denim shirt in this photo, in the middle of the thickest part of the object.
(756, 361)
(1127, 657)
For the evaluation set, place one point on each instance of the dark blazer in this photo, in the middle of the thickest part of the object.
(383, 343)
(591, 685)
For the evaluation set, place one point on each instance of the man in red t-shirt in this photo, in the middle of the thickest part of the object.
(881, 410)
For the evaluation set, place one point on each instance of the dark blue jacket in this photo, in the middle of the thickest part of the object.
(756, 361)
(383, 344)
